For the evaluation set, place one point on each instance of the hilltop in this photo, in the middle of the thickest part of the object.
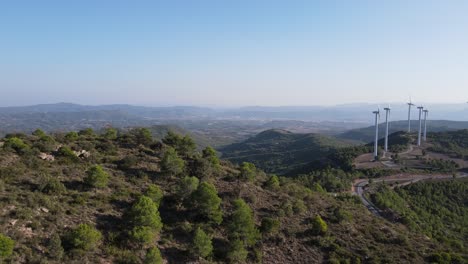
(280, 151)
(124, 197)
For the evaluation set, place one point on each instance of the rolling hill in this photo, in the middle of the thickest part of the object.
(281, 151)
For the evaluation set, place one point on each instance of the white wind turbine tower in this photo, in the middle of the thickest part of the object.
(420, 124)
(426, 113)
(409, 115)
(377, 116)
(387, 117)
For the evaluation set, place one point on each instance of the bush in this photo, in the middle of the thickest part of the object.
(187, 186)
(319, 226)
(242, 225)
(171, 164)
(273, 183)
(202, 245)
(84, 237)
(207, 202)
(155, 193)
(50, 185)
(269, 226)
(67, 153)
(71, 136)
(16, 144)
(237, 252)
(247, 171)
(210, 154)
(110, 134)
(54, 247)
(96, 177)
(153, 256)
(6, 246)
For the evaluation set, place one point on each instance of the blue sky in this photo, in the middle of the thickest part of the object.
(233, 53)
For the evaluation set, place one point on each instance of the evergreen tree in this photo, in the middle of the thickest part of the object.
(202, 245)
(319, 226)
(96, 177)
(155, 193)
(153, 256)
(208, 203)
(247, 171)
(237, 252)
(187, 186)
(145, 221)
(242, 225)
(171, 163)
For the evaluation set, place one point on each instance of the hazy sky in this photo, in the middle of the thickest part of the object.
(232, 53)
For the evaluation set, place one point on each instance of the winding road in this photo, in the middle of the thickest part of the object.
(359, 185)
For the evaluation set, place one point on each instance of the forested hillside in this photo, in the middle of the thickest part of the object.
(124, 197)
(437, 209)
(280, 151)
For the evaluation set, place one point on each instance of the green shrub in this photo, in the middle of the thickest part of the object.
(17, 144)
(242, 225)
(96, 177)
(171, 163)
(185, 146)
(207, 202)
(50, 185)
(153, 256)
(71, 136)
(202, 245)
(6, 246)
(67, 153)
(269, 226)
(187, 186)
(54, 247)
(319, 226)
(237, 252)
(110, 133)
(210, 154)
(299, 206)
(247, 171)
(273, 183)
(84, 237)
(155, 193)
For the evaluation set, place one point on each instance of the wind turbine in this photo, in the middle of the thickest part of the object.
(420, 124)
(409, 115)
(387, 116)
(426, 113)
(377, 116)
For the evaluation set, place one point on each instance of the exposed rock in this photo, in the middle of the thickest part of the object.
(45, 156)
(13, 222)
(82, 153)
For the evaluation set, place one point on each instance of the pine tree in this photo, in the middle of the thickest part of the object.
(202, 245)
(242, 225)
(207, 202)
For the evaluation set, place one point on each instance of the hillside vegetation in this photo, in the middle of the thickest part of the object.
(124, 197)
(453, 143)
(437, 209)
(280, 151)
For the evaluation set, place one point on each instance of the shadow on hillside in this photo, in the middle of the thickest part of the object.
(175, 255)
(76, 185)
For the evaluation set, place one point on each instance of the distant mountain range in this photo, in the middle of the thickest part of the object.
(348, 113)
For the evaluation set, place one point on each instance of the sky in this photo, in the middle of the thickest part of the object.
(233, 53)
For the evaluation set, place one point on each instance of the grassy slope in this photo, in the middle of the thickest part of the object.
(30, 216)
